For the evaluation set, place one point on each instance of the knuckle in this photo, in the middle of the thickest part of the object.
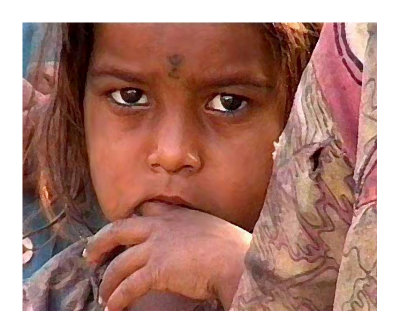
(114, 229)
(162, 225)
(155, 230)
(159, 282)
(155, 224)
(118, 224)
(155, 239)
(156, 275)
(130, 281)
(125, 290)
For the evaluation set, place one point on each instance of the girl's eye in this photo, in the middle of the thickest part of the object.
(130, 97)
(227, 103)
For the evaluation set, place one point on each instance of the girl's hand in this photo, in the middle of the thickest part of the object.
(173, 249)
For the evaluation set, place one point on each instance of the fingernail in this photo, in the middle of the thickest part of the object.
(84, 253)
(100, 300)
(106, 309)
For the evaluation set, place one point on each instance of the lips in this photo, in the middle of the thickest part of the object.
(173, 200)
(161, 204)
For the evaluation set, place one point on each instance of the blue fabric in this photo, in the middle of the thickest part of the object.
(41, 241)
(28, 46)
(46, 244)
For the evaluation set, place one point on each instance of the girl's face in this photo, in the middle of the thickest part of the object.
(185, 114)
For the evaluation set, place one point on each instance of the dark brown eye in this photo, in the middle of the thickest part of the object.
(231, 102)
(130, 97)
(227, 103)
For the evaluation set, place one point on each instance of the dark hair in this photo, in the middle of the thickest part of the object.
(57, 149)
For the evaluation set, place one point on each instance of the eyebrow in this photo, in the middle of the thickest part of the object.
(124, 75)
(238, 80)
(224, 80)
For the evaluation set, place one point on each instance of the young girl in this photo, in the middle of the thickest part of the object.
(166, 131)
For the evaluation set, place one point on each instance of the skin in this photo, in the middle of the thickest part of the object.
(184, 251)
(180, 144)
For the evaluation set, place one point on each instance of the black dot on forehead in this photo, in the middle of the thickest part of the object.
(175, 59)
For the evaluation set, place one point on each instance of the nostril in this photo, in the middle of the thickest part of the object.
(174, 162)
(190, 169)
(155, 165)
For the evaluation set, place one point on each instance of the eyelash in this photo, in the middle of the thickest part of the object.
(129, 109)
(233, 113)
(123, 108)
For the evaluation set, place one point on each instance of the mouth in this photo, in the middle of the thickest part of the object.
(173, 200)
(168, 200)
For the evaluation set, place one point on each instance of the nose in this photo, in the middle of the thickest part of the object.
(175, 147)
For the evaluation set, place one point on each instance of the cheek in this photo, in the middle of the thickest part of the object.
(115, 160)
(243, 177)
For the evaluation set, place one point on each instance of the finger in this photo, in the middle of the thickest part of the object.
(126, 232)
(121, 267)
(135, 286)
(156, 208)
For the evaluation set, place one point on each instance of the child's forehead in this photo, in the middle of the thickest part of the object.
(241, 41)
(199, 44)
(173, 33)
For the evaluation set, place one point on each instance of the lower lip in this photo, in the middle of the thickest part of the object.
(155, 207)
